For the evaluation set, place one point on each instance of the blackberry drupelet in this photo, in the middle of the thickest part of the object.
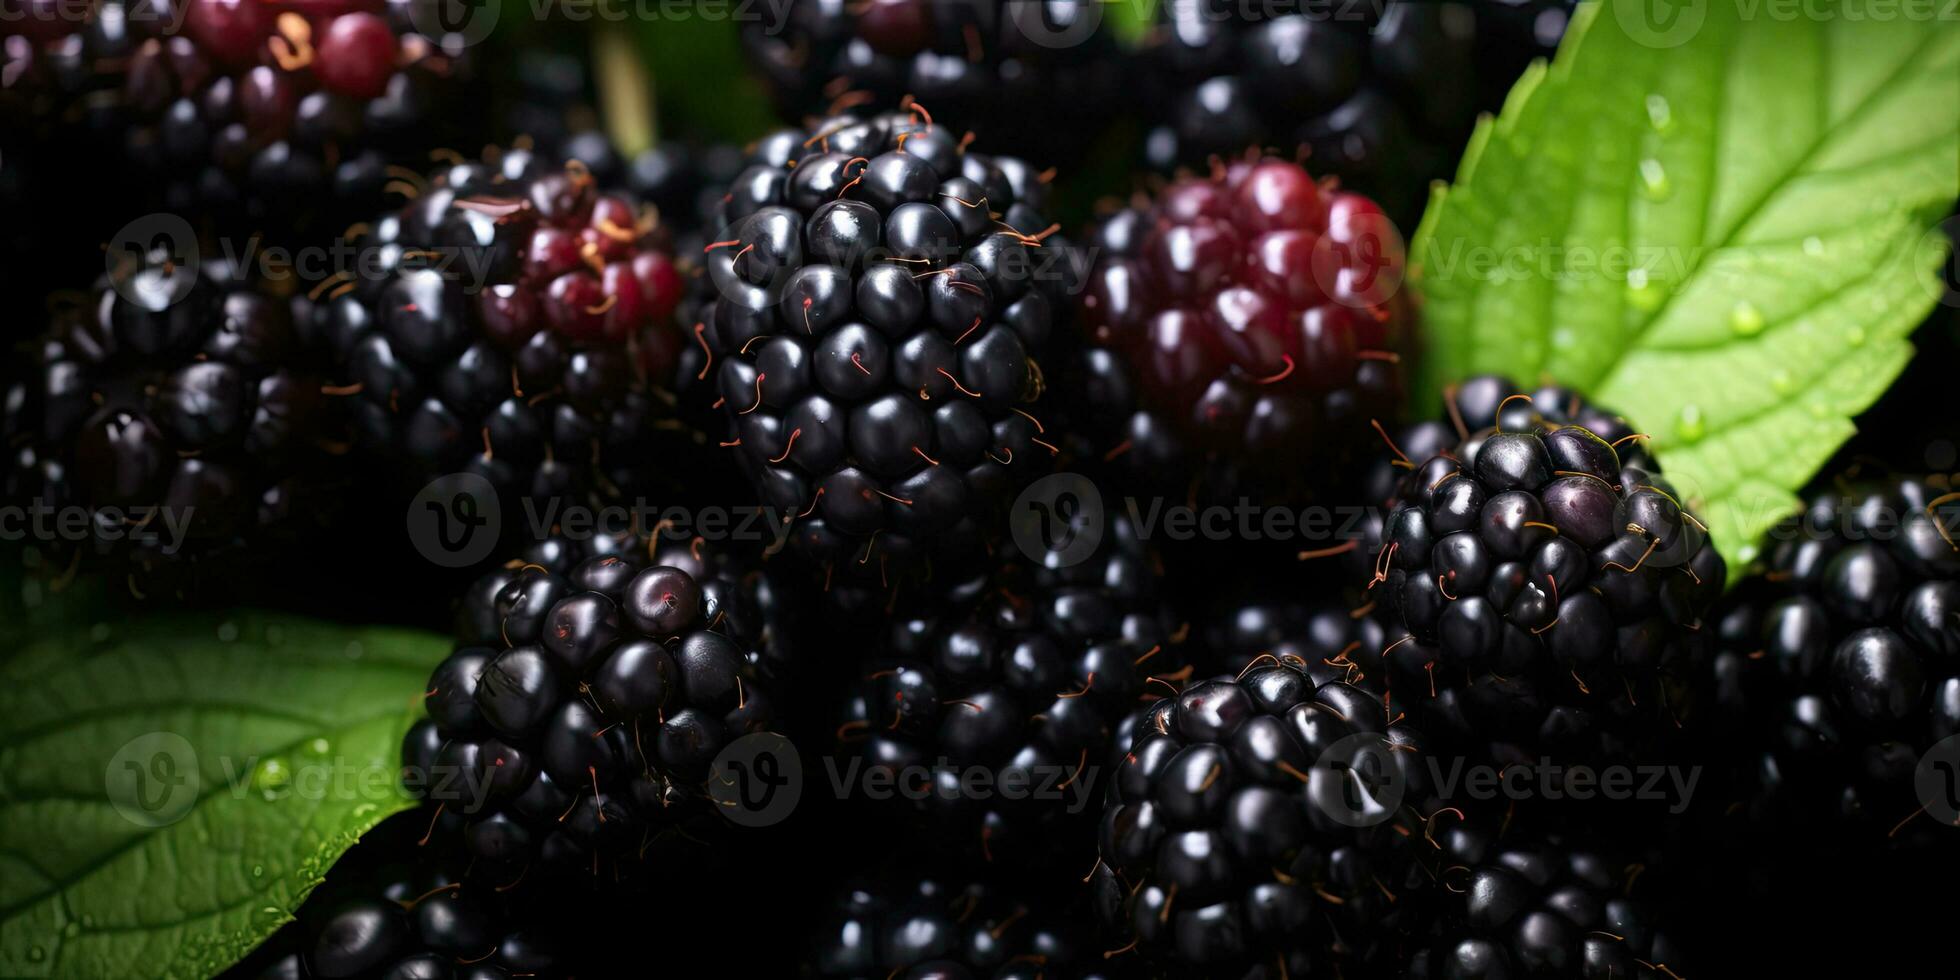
(1293, 632)
(177, 405)
(519, 329)
(1025, 673)
(1842, 655)
(1383, 96)
(1552, 591)
(243, 110)
(1232, 845)
(391, 908)
(1536, 907)
(923, 928)
(880, 295)
(1038, 78)
(1238, 325)
(596, 683)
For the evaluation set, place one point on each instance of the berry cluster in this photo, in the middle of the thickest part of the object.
(880, 294)
(927, 928)
(518, 316)
(1843, 655)
(1251, 319)
(259, 110)
(1024, 76)
(176, 403)
(1382, 95)
(596, 682)
(1551, 590)
(1026, 673)
(1537, 907)
(1226, 827)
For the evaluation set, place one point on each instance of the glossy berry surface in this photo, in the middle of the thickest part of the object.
(1382, 96)
(1841, 655)
(1026, 673)
(393, 907)
(1527, 906)
(178, 400)
(880, 294)
(1240, 323)
(924, 927)
(1028, 78)
(1548, 586)
(518, 329)
(246, 112)
(596, 682)
(1227, 828)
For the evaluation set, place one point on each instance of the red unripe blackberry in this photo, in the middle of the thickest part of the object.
(1252, 319)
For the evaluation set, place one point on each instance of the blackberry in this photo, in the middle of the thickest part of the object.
(513, 321)
(176, 405)
(1025, 673)
(596, 682)
(880, 296)
(1032, 77)
(1231, 845)
(926, 927)
(1291, 632)
(244, 110)
(391, 908)
(1536, 907)
(1841, 652)
(1237, 324)
(1383, 96)
(1550, 590)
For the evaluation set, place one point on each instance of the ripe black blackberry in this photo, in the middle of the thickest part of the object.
(880, 295)
(241, 109)
(518, 329)
(1025, 673)
(922, 927)
(1232, 845)
(1292, 632)
(392, 908)
(1382, 95)
(1549, 585)
(1841, 655)
(596, 683)
(1030, 78)
(1534, 907)
(1237, 324)
(176, 404)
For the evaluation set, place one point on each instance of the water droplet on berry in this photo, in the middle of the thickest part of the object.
(1653, 179)
(1660, 115)
(1690, 426)
(1745, 319)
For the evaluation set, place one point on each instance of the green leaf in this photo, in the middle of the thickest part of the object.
(1728, 239)
(702, 81)
(170, 789)
(1130, 20)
